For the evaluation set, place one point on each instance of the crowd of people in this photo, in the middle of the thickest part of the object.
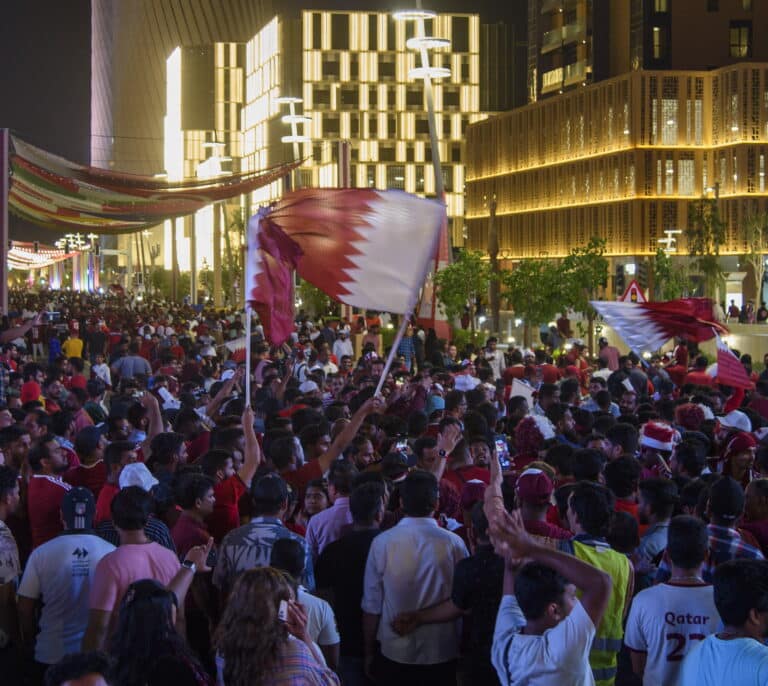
(491, 517)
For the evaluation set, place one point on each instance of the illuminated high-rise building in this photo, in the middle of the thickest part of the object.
(572, 43)
(347, 60)
(680, 113)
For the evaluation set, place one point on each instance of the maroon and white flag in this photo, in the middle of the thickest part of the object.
(730, 371)
(363, 247)
(648, 326)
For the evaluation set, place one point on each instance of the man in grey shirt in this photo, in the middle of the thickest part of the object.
(131, 364)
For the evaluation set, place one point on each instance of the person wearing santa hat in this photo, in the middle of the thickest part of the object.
(657, 440)
(739, 456)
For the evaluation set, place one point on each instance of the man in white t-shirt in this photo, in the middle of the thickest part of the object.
(290, 556)
(59, 573)
(667, 621)
(543, 632)
(736, 656)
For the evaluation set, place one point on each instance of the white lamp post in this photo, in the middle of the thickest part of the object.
(294, 120)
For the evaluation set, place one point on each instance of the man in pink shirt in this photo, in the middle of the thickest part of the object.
(136, 558)
(75, 400)
(330, 525)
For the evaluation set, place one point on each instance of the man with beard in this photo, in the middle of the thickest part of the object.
(46, 489)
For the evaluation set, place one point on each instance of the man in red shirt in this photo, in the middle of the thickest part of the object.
(324, 452)
(698, 376)
(534, 494)
(91, 473)
(46, 489)
(195, 496)
(230, 485)
(461, 467)
(116, 456)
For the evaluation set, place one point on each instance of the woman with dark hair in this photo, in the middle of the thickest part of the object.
(147, 649)
(262, 638)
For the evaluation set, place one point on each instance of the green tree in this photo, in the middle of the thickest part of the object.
(583, 273)
(705, 234)
(461, 283)
(534, 291)
(670, 280)
(314, 301)
(754, 233)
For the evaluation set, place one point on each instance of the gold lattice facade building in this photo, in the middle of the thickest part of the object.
(621, 159)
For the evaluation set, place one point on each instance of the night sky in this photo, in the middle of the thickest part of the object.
(45, 85)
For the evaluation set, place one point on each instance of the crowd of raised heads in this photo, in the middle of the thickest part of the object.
(493, 516)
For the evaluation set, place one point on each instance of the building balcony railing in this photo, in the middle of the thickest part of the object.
(574, 73)
(552, 80)
(573, 32)
(551, 6)
(551, 40)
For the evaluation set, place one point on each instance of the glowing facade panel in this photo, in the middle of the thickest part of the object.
(621, 159)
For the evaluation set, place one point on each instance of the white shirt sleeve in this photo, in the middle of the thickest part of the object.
(634, 636)
(328, 635)
(30, 582)
(509, 621)
(569, 642)
(373, 583)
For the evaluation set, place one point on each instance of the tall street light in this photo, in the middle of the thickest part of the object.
(294, 120)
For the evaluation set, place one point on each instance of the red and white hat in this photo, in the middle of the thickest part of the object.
(659, 435)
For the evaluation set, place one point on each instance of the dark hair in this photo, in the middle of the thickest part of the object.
(40, 452)
(569, 389)
(289, 555)
(588, 464)
(113, 453)
(9, 480)
(131, 508)
(661, 496)
(690, 458)
(622, 476)
(77, 665)
(11, 434)
(726, 499)
(341, 476)
(191, 487)
(547, 390)
(593, 506)
(536, 586)
(311, 434)
(624, 435)
(479, 521)
(268, 494)
(214, 460)
(453, 400)
(225, 439)
(687, 541)
(420, 444)
(560, 456)
(164, 447)
(145, 628)
(740, 586)
(556, 412)
(624, 533)
(281, 451)
(365, 503)
(419, 492)
(80, 394)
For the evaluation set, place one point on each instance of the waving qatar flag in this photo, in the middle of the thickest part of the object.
(730, 371)
(648, 326)
(365, 248)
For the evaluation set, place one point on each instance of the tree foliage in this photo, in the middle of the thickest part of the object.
(534, 291)
(461, 283)
(754, 232)
(705, 234)
(315, 302)
(670, 280)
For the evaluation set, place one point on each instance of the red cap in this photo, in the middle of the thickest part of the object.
(740, 443)
(534, 486)
(30, 391)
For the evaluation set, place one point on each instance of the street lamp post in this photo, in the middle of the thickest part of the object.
(294, 120)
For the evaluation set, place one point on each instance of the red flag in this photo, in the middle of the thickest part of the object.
(648, 326)
(366, 248)
(730, 371)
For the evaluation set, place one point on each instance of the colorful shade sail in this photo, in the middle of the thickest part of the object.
(55, 193)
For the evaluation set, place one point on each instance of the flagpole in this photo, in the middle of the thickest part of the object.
(248, 316)
(392, 353)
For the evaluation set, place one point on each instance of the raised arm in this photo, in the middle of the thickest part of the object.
(155, 426)
(253, 456)
(348, 433)
(18, 331)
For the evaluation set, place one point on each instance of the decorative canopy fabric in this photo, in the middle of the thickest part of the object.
(23, 256)
(61, 195)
